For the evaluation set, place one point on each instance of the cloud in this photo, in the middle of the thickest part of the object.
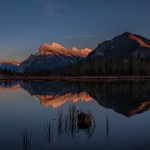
(79, 36)
(68, 36)
(55, 10)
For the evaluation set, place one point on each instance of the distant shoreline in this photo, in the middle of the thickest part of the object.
(70, 78)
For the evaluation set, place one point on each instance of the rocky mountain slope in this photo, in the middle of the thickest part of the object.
(9, 65)
(51, 57)
(123, 46)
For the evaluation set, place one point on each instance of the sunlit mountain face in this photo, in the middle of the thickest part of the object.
(127, 98)
(11, 62)
(52, 56)
(49, 56)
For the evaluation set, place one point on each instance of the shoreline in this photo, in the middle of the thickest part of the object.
(70, 78)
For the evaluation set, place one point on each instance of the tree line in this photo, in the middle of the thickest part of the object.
(96, 67)
(109, 66)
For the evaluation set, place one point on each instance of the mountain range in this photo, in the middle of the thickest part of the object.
(55, 56)
(49, 56)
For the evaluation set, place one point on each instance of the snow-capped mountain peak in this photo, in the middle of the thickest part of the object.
(75, 49)
(9, 65)
(47, 49)
(52, 56)
(14, 62)
(57, 46)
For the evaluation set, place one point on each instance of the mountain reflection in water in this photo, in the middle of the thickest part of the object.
(127, 98)
(76, 115)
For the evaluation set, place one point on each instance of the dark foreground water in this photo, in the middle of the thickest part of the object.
(76, 116)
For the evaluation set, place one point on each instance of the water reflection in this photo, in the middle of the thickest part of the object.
(75, 115)
(69, 123)
(127, 98)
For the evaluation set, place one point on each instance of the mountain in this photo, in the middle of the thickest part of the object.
(11, 65)
(123, 46)
(51, 57)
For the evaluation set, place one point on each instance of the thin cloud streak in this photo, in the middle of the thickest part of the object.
(55, 10)
(79, 36)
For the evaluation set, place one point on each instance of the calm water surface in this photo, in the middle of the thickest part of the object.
(76, 116)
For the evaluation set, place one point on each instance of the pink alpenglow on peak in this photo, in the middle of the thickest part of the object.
(53, 56)
(81, 52)
(10, 65)
(55, 48)
(74, 49)
(47, 49)
(10, 62)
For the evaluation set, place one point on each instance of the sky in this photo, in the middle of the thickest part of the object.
(26, 24)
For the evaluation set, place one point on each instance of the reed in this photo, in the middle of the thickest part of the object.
(49, 134)
(73, 119)
(26, 140)
(60, 122)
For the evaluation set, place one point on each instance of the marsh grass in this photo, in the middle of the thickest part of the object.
(49, 134)
(26, 140)
(73, 120)
(107, 127)
(68, 123)
(60, 122)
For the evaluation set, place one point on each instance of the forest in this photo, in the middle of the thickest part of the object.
(110, 67)
(96, 67)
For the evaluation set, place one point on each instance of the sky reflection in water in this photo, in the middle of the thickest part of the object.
(44, 115)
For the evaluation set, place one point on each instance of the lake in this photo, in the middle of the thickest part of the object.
(75, 115)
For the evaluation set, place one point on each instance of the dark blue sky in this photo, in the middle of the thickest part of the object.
(26, 24)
